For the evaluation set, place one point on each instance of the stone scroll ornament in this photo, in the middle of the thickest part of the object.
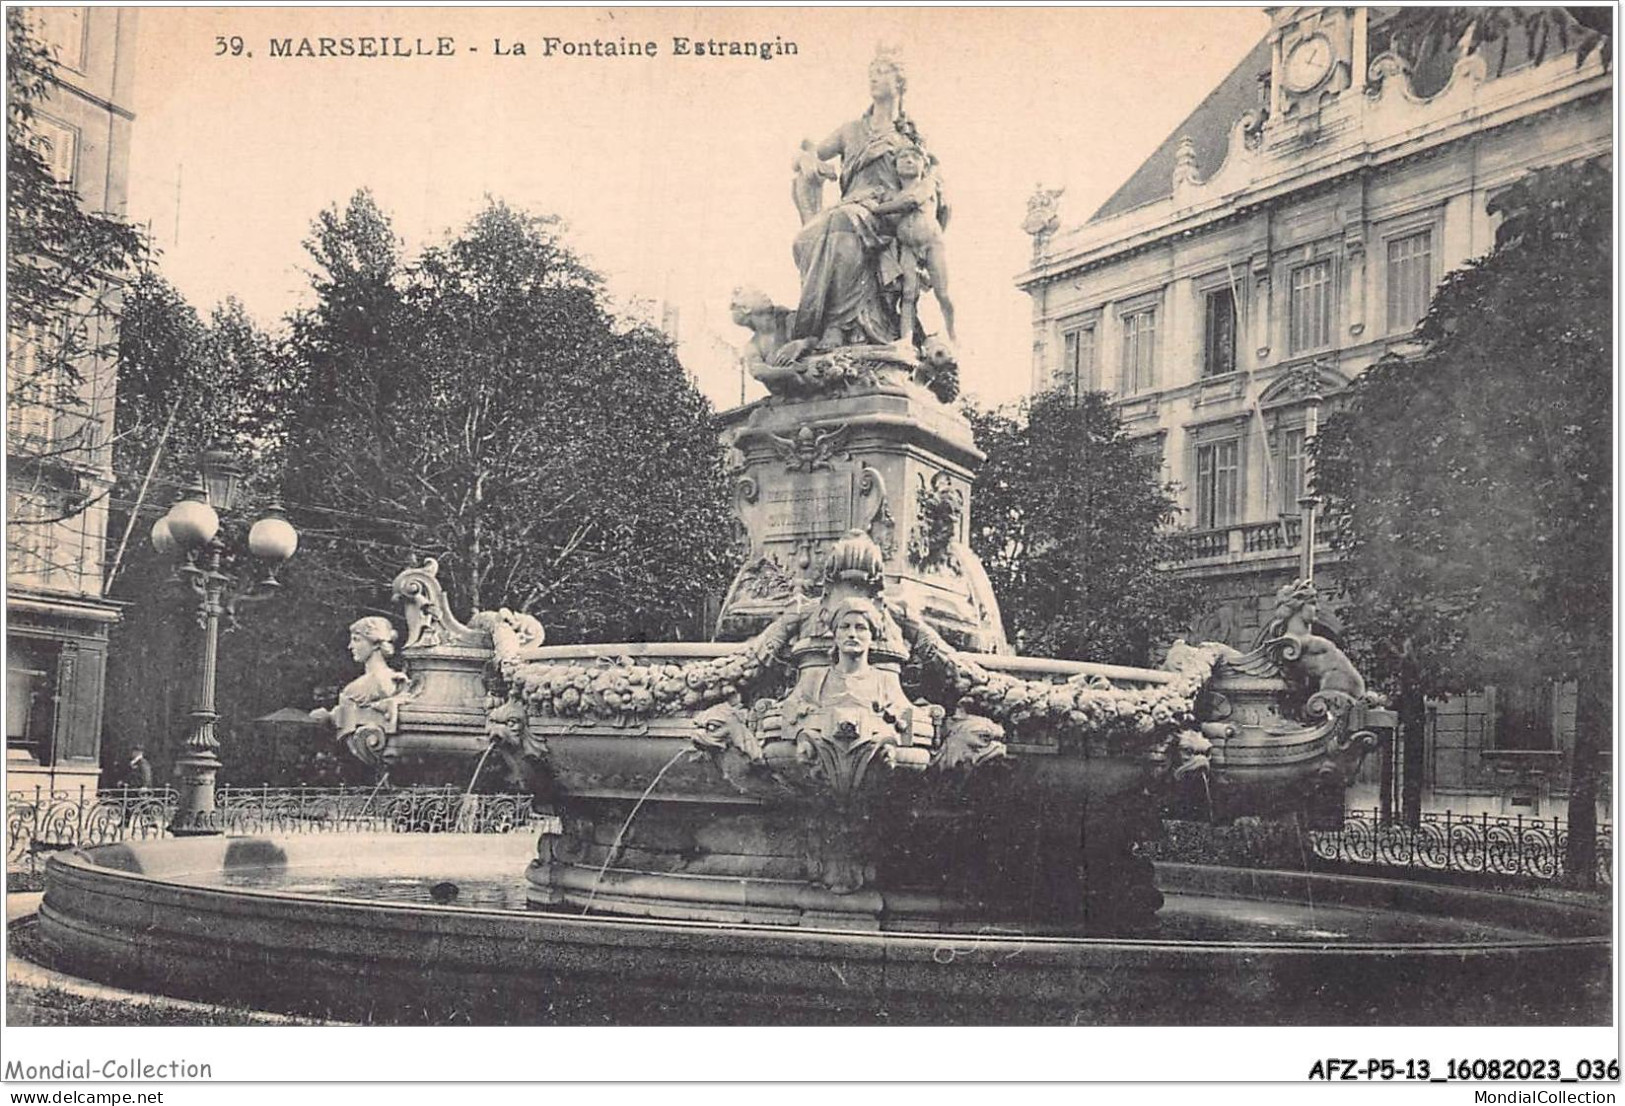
(430, 623)
(1323, 688)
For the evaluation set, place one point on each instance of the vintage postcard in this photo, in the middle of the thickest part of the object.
(568, 520)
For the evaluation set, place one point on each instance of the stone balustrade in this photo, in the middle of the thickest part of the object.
(1280, 535)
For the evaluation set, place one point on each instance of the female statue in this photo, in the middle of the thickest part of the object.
(366, 709)
(847, 256)
(851, 691)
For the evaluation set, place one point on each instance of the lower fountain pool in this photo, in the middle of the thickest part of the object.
(425, 928)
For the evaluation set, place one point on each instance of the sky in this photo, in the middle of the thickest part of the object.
(671, 173)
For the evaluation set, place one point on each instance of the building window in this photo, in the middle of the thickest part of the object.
(1410, 280)
(1310, 315)
(57, 145)
(1294, 469)
(1218, 484)
(1077, 374)
(1523, 717)
(34, 384)
(1219, 333)
(1149, 448)
(30, 696)
(62, 30)
(1139, 351)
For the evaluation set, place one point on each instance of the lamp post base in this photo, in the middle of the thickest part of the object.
(195, 814)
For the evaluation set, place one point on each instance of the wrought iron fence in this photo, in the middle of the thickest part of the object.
(40, 821)
(1480, 844)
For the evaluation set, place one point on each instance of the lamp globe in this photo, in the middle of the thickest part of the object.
(273, 539)
(192, 523)
(163, 540)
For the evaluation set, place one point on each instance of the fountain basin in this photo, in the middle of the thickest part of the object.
(345, 926)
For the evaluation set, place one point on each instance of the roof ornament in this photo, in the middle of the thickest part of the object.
(1043, 211)
(1185, 170)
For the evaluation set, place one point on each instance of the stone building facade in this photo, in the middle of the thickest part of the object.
(60, 455)
(1286, 236)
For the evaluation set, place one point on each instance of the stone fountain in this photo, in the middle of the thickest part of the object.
(922, 777)
(858, 769)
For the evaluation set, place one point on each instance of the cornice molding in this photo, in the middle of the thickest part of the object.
(1451, 120)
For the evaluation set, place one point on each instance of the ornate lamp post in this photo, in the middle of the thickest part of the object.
(221, 574)
(1309, 504)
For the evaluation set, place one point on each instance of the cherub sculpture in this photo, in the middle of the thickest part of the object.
(922, 218)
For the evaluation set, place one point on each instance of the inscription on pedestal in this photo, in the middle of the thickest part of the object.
(808, 509)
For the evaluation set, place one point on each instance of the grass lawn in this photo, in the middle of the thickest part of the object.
(30, 1005)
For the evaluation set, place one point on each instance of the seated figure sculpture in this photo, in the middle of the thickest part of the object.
(845, 254)
(1296, 607)
(366, 711)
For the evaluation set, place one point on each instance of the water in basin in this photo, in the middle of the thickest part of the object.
(1184, 917)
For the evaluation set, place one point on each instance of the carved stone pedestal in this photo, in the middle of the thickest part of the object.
(875, 451)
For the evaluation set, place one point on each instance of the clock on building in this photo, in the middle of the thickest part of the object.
(1317, 51)
(1309, 63)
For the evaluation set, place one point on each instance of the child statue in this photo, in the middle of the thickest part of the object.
(918, 201)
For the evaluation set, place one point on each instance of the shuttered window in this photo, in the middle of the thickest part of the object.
(1410, 280)
(1219, 333)
(1292, 469)
(1077, 373)
(1310, 317)
(1218, 483)
(1139, 351)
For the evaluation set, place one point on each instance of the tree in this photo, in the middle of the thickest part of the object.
(186, 384)
(1068, 519)
(1427, 37)
(1469, 487)
(64, 267)
(482, 406)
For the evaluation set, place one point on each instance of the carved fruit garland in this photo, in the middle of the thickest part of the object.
(1087, 707)
(620, 691)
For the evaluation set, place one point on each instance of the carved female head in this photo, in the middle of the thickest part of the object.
(370, 635)
(887, 77)
(855, 624)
